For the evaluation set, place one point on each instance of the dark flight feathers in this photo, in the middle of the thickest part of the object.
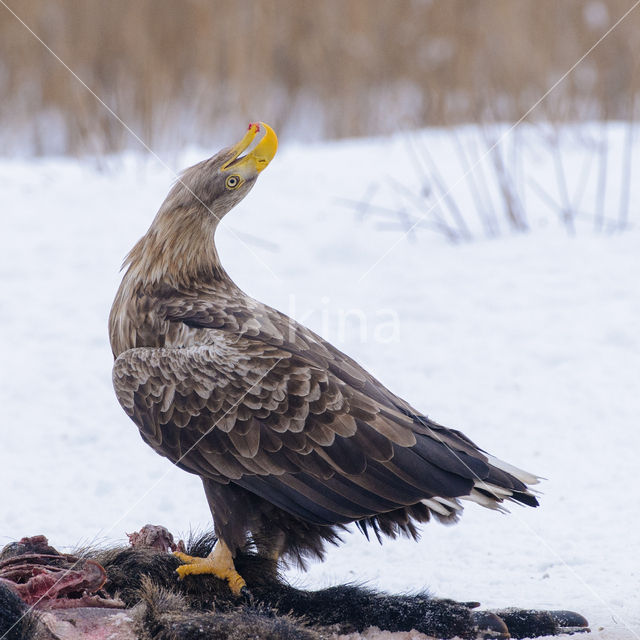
(295, 422)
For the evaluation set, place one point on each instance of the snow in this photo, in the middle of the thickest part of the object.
(528, 343)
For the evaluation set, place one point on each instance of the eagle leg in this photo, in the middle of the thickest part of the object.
(218, 563)
(271, 546)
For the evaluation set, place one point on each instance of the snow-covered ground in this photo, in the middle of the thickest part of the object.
(530, 344)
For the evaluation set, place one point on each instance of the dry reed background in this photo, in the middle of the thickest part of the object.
(178, 70)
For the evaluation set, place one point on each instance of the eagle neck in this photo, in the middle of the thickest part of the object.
(178, 250)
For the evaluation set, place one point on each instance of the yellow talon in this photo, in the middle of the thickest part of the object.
(218, 563)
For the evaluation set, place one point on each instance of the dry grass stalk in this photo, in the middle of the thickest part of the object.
(177, 71)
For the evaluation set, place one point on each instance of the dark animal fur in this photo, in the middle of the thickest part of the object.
(16, 621)
(136, 574)
(165, 615)
(201, 607)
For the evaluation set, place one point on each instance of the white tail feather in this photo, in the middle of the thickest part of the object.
(452, 504)
(436, 506)
(485, 501)
(501, 492)
(523, 476)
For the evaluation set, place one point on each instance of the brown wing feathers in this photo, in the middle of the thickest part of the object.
(294, 434)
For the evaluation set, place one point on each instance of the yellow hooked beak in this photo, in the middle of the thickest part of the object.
(257, 159)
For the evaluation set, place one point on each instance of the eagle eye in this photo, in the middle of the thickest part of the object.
(233, 182)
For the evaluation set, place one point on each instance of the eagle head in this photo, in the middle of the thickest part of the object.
(220, 182)
(178, 248)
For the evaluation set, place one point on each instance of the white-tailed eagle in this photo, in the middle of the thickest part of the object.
(291, 437)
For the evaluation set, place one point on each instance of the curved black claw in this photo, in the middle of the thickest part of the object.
(489, 625)
(570, 622)
(247, 596)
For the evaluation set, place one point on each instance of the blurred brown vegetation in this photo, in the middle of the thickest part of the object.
(177, 71)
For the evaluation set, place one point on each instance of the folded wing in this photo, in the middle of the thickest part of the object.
(300, 435)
